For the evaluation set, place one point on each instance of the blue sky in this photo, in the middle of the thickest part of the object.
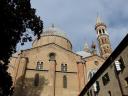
(77, 18)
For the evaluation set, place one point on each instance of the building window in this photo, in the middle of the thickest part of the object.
(96, 87)
(39, 65)
(122, 65)
(88, 93)
(91, 93)
(109, 92)
(63, 67)
(52, 56)
(99, 31)
(36, 79)
(118, 68)
(96, 62)
(105, 79)
(126, 80)
(91, 73)
(103, 31)
(64, 81)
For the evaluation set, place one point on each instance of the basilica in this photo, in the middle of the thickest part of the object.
(52, 68)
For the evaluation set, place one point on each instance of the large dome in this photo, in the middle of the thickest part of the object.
(53, 35)
(53, 31)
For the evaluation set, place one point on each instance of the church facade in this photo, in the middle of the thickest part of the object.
(51, 68)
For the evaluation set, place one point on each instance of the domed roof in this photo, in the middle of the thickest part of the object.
(53, 35)
(53, 31)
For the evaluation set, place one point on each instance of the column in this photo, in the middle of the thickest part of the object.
(81, 76)
(52, 74)
(24, 68)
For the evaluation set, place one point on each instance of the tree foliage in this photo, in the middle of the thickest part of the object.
(15, 17)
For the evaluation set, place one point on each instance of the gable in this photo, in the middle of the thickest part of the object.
(51, 46)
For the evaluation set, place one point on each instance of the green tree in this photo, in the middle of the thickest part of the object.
(15, 17)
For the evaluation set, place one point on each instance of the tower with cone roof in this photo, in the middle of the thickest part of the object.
(103, 38)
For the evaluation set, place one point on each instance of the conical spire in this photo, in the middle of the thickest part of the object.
(98, 20)
(86, 47)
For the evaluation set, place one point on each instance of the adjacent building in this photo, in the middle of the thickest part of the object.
(112, 77)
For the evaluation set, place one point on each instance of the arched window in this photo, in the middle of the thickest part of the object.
(52, 56)
(63, 67)
(39, 65)
(96, 62)
(109, 92)
(100, 31)
(105, 79)
(64, 81)
(96, 87)
(103, 31)
(91, 73)
(36, 79)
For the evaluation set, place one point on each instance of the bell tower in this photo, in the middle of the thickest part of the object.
(103, 38)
